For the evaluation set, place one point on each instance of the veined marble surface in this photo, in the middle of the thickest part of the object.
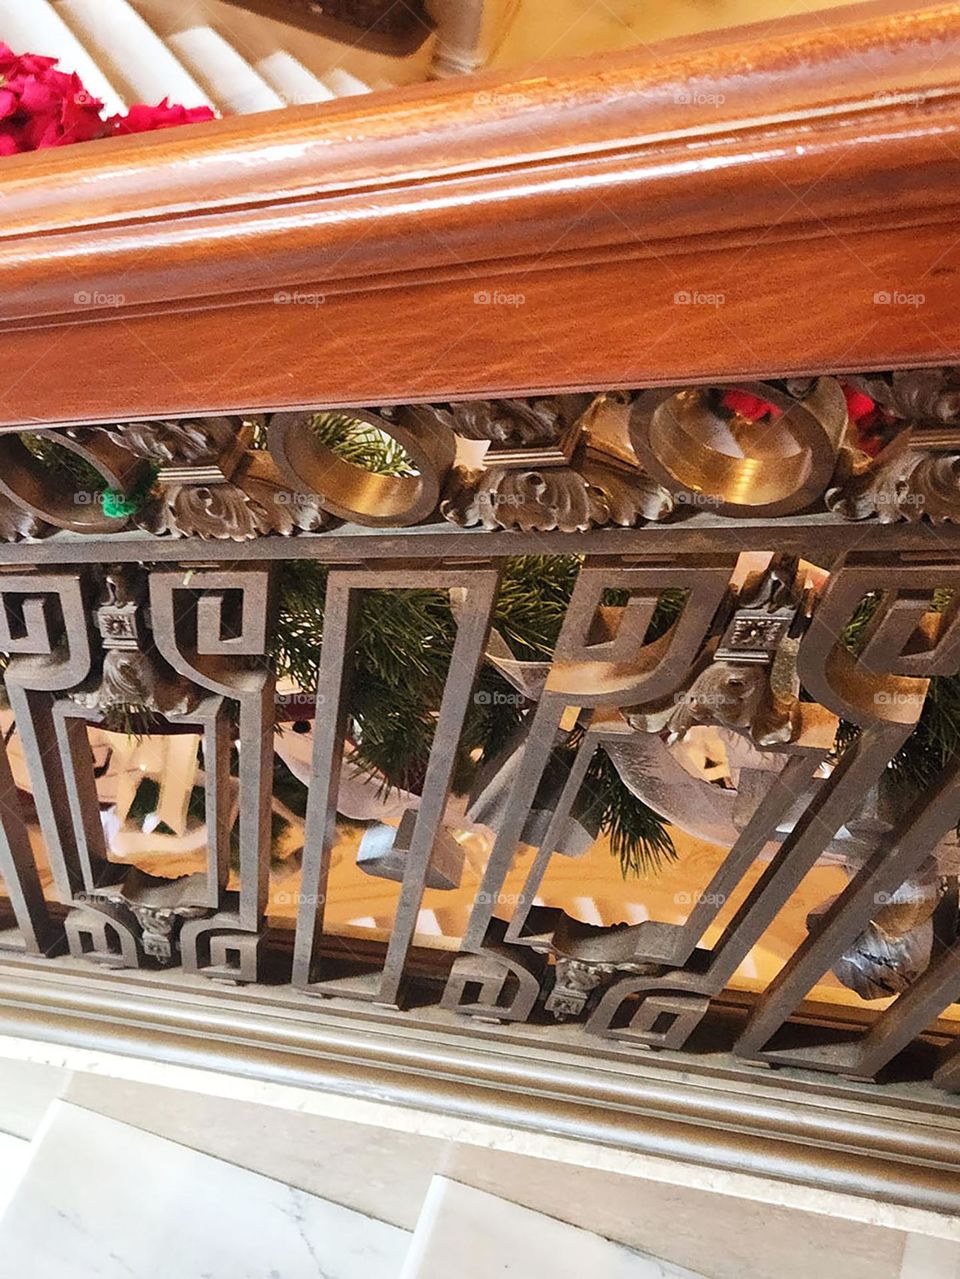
(14, 1156)
(103, 1200)
(475, 1235)
(26, 1090)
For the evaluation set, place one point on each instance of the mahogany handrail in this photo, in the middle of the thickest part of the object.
(796, 168)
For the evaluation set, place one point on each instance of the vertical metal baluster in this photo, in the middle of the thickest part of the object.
(473, 626)
(934, 814)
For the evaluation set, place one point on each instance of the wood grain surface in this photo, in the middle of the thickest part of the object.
(737, 204)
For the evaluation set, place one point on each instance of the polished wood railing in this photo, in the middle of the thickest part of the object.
(571, 268)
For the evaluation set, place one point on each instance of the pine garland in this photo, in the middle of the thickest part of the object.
(362, 444)
(936, 739)
(400, 665)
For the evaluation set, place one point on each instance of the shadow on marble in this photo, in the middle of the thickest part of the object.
(490, 1236)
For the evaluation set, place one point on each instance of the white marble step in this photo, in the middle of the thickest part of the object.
(131, 51)
(490, 1237)
(103, 1200)
(292, 81)
(343, 84)
(14, 1157)
(231, 84)
(925, 1258)
(26, 1091)
(34, 26)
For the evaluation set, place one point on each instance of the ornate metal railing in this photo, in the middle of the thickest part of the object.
(152, 592)
(553, 281)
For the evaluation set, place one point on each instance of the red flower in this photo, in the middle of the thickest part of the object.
(43, 107)
(749, 406)
(867, 420)
(143, 119)
(859, 405)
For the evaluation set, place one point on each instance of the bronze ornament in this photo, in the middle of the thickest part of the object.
(754, 469)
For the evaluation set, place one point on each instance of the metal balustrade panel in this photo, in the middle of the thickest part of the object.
(161, 606)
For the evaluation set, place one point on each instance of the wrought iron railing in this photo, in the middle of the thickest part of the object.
(158, 602)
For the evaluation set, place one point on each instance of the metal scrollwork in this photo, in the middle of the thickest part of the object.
(356, 494)
(566, 463)
(62, 499)
(806, 672)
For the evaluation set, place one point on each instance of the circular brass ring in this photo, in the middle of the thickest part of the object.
(57, 500)
(685, 446)
(358, 495)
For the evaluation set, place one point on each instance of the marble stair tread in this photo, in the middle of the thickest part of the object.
(230, 82)
(926, 1258)
(14, 1157)
(35, 26)
(101, 1199)
(292, 80)
(490, 1237)
(26, 1091)
(132, 53)
(344, 84)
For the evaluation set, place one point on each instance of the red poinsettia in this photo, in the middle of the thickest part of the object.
(867, 420)
(42, 107)
(749, 406)
(870, 424)
(144, 119)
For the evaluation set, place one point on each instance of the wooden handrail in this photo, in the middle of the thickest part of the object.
(792, 170)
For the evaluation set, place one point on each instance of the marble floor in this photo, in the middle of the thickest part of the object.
(231, 1179)
(493, 1237)
(100, 1199)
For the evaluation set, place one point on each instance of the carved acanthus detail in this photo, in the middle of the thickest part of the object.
(190, 441)
(917, 476)
(231, 512)
(564, 462)
(916, 395)
(593, 491)
(533, 422)
(17, 524)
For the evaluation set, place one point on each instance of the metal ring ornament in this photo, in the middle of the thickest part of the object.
(28, 483)
(682, 444)
(350, 491)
